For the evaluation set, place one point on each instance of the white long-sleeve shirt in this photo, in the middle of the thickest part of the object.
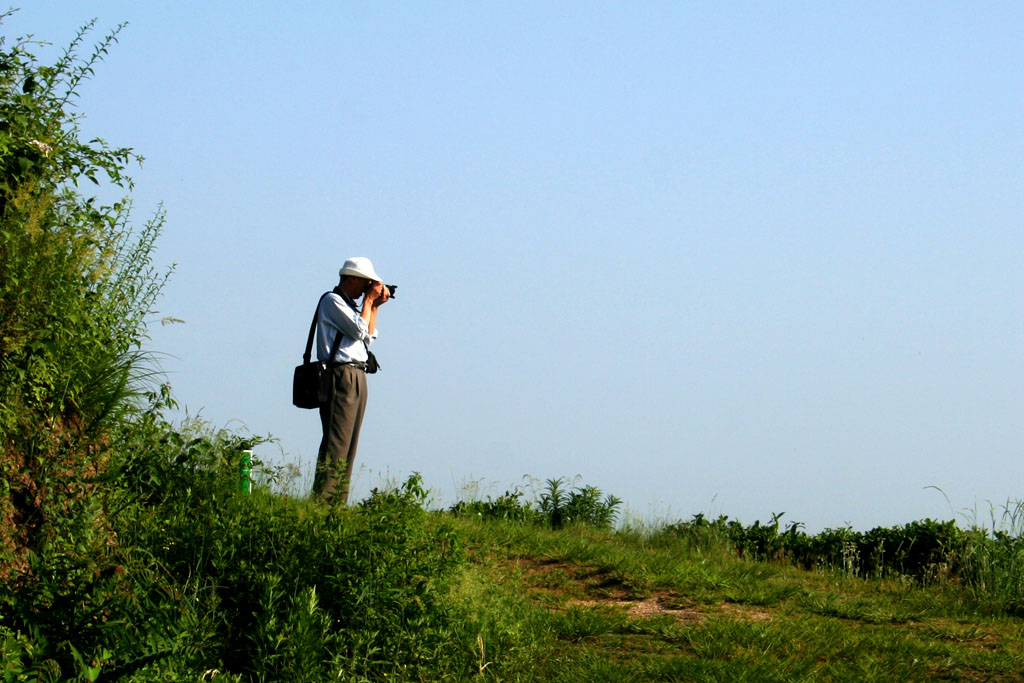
(334, 315)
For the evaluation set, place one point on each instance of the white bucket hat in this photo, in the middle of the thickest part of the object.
(360, 266)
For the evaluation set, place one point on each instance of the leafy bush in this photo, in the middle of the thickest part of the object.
(75, 287)
(555, 507)
(757, 541)
(925, 550)
(508, 507)
(296, 591)
(205, 578)
(76, 284)
(584, 505)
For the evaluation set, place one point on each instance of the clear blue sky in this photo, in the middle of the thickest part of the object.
(735, 258)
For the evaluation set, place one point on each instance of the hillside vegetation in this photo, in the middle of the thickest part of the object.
(132, 550)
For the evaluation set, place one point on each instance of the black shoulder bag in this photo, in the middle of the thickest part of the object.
(306, 382)
(308, 389)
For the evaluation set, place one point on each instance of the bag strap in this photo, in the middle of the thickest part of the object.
(312, 330)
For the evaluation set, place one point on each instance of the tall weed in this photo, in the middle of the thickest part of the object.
(76, 283)
(994, 559)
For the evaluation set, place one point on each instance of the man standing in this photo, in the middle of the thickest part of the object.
(342, 413)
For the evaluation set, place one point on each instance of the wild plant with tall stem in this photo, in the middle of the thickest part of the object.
(77, 284)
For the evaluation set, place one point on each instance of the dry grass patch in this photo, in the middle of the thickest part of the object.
(564, 584)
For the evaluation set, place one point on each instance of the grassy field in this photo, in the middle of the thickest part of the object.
(207, 583)
(578, 604)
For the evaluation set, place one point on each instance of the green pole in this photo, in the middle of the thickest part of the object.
(245, 471)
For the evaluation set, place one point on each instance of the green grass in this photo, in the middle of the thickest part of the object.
(580, 604)
(266, 587)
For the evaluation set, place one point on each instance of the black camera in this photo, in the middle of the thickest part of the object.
(391, 289)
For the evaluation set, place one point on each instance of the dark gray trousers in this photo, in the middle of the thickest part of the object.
(341, 417)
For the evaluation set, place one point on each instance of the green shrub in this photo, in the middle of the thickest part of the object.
(76, 284)
(924, 550)
(757, 541)
(301, 591)
(75, 287)
(555, 507)
(508, 507)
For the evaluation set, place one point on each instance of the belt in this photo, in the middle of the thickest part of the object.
(358, 365)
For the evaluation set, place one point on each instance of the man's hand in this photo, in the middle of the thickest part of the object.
(378, 294)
